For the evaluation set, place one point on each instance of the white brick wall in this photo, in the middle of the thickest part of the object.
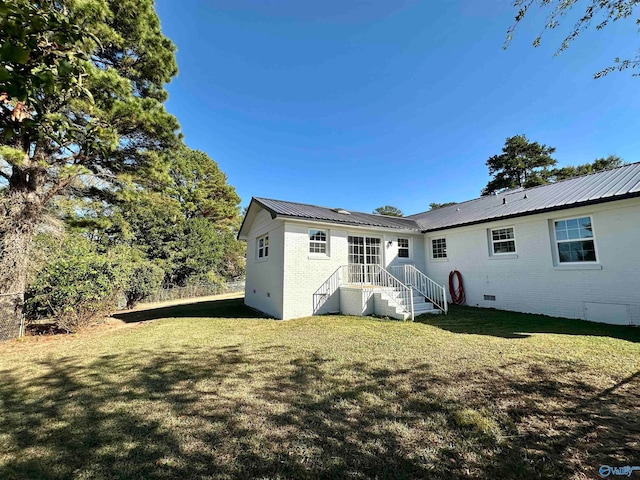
(304, 272)
(356, 301)
(530, 282)
(263, 288)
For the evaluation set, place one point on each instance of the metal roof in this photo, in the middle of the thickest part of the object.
(303, 211)
(614, 184)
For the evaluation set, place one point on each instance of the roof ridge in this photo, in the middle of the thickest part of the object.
(522, 189)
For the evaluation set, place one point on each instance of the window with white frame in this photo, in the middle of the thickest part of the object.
(575, 241)
(503, 240)
(262, 247)
(438, 248)
(318, 241)
(403, 248)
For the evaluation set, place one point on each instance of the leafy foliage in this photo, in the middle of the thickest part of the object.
(599, 164)
(144, 279)
(521, 164)
(200, 188)
(598, 14)
(388, 210)
(81, 92)
(185, 222)
(526, 164)
(76, 287)
(84, 136)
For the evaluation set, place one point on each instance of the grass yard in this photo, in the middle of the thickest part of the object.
(206, 391)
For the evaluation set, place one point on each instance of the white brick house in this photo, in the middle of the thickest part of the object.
(569, 249)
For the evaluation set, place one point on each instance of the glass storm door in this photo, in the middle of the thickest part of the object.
(363, 253)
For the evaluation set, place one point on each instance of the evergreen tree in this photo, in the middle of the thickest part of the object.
(388, 210)
(521, 164)
(598, 165)
(81, 107)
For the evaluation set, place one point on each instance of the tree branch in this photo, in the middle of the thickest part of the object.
(58, 187)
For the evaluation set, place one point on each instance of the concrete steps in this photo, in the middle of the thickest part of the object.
(386, 304)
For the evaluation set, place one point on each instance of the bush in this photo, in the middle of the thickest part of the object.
(72, 283)
(75, 289)
(144, 279)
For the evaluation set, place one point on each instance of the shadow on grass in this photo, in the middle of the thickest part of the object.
(500, 323)
(273, 413)
(230, 308)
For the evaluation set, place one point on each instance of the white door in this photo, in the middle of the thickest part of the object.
(364, 252)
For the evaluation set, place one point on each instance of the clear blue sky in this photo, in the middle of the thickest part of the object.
(358, 104)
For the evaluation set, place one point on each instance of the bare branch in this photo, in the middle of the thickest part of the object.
(597, 14)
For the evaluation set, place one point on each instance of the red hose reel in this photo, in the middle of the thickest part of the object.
(456, 292)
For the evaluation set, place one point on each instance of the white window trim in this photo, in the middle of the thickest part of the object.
(492, 242)
(318, 254)
(264, 258)
(431, 252)
(409, 247)
(556, 252)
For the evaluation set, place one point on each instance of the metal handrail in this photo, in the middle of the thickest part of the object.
(431, 290)
(377, 276)
(328, 288)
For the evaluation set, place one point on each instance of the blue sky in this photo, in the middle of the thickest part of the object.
(358, 104)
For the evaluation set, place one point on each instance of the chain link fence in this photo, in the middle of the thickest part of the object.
(174, 292)
(11, 319)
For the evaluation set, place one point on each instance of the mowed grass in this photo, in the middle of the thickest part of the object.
(206, 391)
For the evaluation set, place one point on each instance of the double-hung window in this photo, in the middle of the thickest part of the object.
(403, 248)
(575, 241)
(262, 247)
(318, 241)
(503, 240)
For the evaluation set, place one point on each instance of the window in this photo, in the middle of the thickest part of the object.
(503, 240)
(574, 240)
(262, 246)
(403, 248)
(439, 248)
(318, 241)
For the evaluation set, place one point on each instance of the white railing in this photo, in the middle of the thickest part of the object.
(431, 290)
(376, 276)
(326, 290)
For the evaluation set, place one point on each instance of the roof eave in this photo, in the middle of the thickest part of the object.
(254, 200)
(349, 224)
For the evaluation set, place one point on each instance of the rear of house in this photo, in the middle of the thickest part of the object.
(574, 263)
(565, 249)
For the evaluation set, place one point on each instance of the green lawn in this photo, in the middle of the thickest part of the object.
(206, 391)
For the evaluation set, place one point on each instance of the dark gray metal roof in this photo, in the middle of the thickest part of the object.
(615, 184)
(303, 211)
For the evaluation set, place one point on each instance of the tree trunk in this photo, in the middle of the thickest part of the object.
(20, 211)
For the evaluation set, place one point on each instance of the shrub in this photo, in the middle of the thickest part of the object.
(73, 291)
(144, 279)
